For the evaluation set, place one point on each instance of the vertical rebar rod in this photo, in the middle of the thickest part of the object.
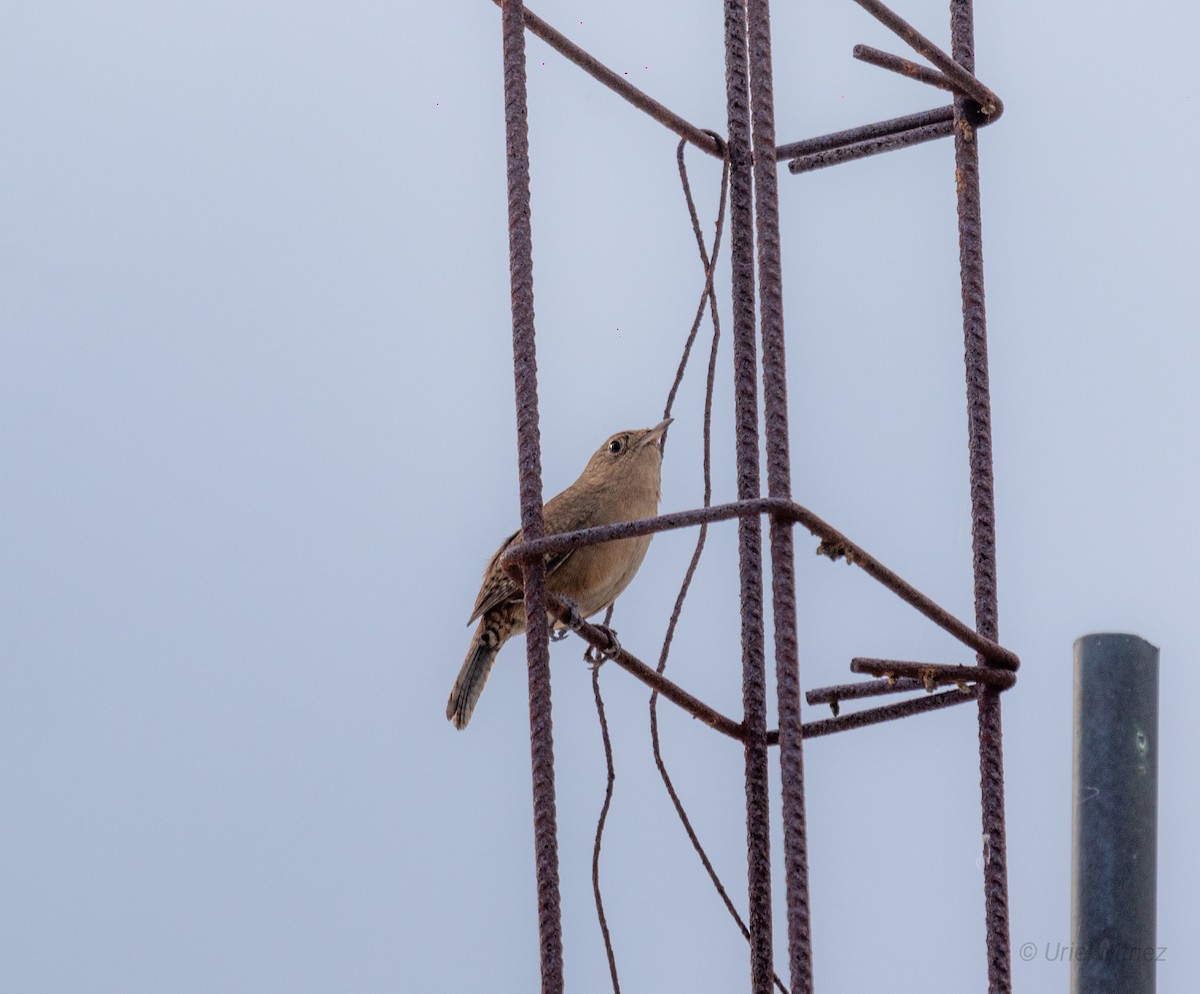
(745, 364)
(783, 579)
(541, 738)
(1114, 824)
(983, 516)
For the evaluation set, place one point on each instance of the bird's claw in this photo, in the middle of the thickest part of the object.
(596, 657)
(573, 619)
(570, 622)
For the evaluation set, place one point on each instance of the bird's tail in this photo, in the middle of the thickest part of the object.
(472, 676)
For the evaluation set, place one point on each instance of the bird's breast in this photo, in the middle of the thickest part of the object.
(595, 575)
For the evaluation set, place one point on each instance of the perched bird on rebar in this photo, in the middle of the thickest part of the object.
(620, 483)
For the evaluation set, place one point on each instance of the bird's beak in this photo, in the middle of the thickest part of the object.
(655, 433)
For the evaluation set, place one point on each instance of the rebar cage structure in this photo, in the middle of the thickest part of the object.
(750, 153)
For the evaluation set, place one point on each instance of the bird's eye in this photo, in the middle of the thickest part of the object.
(615, 446)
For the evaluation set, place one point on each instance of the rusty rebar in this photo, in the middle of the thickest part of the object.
(905, 67)
(751, 127)
(959, 72)
(890, 712)
(745, 365)
(541, 736)
(834, 695)
(874, 146)
(703, 140)
(903, 676)
(865, 132)
(932, 675)
(598, 638)
(779, 485)
(832, 541)
(983, 516)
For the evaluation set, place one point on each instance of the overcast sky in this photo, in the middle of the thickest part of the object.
(257, 438)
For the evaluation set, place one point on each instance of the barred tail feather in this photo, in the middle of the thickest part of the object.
(471, 678)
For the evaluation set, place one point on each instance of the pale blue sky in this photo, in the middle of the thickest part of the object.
(257, 431)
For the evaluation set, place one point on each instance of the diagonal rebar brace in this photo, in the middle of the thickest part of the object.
(599, 638)
(541, 738)
(619, 85)
(960, 73)
(831, 539)
(905, 67)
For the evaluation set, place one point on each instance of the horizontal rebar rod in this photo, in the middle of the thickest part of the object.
(901, 676)
(833, 543)
(864, 688)
(890, 712)
(934, 674)
(865, 132)
(703, 140)
(888, 143)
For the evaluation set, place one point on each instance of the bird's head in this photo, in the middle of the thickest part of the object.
(634, 455)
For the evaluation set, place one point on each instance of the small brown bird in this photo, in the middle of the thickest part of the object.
(620, 483)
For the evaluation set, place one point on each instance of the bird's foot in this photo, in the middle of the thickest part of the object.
(570, 622)
(595, 657)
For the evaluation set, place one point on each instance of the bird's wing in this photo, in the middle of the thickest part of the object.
(498, 586)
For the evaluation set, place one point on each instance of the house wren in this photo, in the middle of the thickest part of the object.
(621, 482)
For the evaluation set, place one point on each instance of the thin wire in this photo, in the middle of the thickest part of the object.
(709, 298)
(608, 795)
(707, 295)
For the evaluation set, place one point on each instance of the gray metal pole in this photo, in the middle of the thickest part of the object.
(1114, 843)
